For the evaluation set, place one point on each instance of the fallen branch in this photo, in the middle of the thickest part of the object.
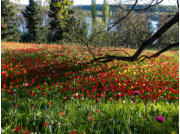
(159, 52)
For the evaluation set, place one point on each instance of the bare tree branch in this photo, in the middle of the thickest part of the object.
(159, 52)
(119, 20)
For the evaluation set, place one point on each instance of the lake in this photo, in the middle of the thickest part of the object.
(88, 20)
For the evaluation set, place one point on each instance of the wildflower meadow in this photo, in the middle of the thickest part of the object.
(52, 89)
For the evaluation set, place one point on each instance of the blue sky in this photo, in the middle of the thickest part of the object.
(88, 2)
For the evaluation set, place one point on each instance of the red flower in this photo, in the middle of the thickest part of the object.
(50, 104)
(62, 113)
(18, 129)
(97, 110)
(15, 105)
(46, 124)
(91, 119)
(32, 106)
(98, 99)
(73, 132)
(26, 132)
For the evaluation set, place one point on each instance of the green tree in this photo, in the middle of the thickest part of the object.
(9, 22)
(105, 11)
(60, 11)
(76, 31)
(33, 16)
(93, 13)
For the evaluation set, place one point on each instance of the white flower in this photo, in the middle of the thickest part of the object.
(76, 94)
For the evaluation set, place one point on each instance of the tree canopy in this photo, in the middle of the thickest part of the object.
(9, 22)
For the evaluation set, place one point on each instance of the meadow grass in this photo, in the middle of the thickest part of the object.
(49, 89)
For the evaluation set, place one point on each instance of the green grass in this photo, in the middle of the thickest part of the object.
(121, 117)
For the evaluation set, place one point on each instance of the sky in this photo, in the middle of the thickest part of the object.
(88, 2)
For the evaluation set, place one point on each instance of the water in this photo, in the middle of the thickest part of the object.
(154, 24)
(88, 20)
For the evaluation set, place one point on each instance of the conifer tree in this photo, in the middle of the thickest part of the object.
(9, 22)
(33, 16)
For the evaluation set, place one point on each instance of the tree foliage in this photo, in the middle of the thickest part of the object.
(105, 11)
(33, 16)
(60, 11)
(9, 22)
(93, 14)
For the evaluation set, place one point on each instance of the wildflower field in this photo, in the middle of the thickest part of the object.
(49, 89)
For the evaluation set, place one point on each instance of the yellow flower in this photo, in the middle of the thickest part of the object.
(125, 71)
